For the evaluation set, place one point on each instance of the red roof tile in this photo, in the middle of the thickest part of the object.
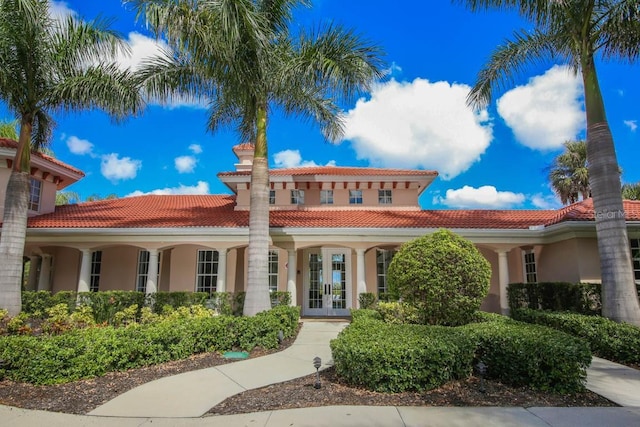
(338, 171)
(9, 143)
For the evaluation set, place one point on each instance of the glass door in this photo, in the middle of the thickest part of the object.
(327, 282)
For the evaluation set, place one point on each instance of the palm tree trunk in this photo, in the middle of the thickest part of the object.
(257, 297)
(619, 297)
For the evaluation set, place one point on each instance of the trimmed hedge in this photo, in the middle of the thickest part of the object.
(619, 342)
(520, 354)
(91, 352)
(401, 357)
(396, 358)
(581, 298)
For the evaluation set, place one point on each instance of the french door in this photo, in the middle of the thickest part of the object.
(327, 284)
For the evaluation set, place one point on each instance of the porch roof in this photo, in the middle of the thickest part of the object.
(185, 211)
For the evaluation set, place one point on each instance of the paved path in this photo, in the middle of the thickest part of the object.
(181, 400)
(192, 394)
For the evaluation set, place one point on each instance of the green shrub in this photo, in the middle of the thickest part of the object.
(364, 313)
(280, 298)
(443, 275)
(398, 312)
(84, 353)
(397, 358)
(175, 299)
(619, 342)
(531, 355)
(581, 298)
(367, 300)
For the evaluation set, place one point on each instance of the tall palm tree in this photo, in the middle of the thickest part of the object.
(631, 191)
(569, 173)
(578, 32)
(241, 57)
(66, 197)
(8, 129)
(49, 65)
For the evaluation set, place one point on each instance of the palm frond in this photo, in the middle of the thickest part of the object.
(509, 60)
(620, 31)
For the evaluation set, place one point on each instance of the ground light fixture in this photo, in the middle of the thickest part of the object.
(317, 362)
(481, 369)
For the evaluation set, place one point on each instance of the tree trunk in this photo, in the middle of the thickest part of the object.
(257, 298)
(619, 297)
(12, 239)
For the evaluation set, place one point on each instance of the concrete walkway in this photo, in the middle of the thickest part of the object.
(181, 400)
(192, 394)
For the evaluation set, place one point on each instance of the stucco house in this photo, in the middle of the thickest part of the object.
(333, 232)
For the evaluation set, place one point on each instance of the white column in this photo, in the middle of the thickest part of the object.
(221, 285)
(360, 274)
(292, 268)
(152, 272)
(85, 271)
(34, 266)
(503, 275)
(44, 281)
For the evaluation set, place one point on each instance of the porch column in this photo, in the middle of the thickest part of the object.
(503, 275)
(44, 281)
(34, 265)
(221, 285)
(360, 274)
(152, 272)
(292, 268)
(85, 271)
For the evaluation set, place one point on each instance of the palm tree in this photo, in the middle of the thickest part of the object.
(569, 174)
(577, 32)
(241, 57)
(631, 191)
(66, 197)
(49, 65)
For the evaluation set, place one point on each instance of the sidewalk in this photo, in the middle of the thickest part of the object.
(181, 400)
(192, 394)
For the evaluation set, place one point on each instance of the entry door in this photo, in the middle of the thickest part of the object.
(327, 282)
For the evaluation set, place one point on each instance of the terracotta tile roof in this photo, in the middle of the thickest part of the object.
(243, 146)
(145, 212)
(9, 143)
(338, 171)
(218, 211)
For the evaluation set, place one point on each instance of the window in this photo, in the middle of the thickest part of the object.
(383, 259)
(297, 197)
(273, 271)
(35, 194)
(96, 264)
(326, 197)
(143, 271)
(207, 271)
(635, 257)
(272, 197)
(384, 197)
(530, 273)
(355, 197)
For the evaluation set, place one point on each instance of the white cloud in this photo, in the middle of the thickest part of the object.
(79, 146)
(293, 159)
(195, 148)
(419, 124)
(185, 164)
(547, 111)
(200, 188)
(115, 169)
(60, 10)
(631, 124)
(485, 197)
(545, 202)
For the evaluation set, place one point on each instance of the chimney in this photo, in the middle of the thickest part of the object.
(244, 152)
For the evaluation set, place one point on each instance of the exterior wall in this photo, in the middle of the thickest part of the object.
(589, 260)
(165, 271)
(183, 268)
(492, 301)
(558, 262)
(66, 268)
(119, 268)
(4, 180)
(48, 197)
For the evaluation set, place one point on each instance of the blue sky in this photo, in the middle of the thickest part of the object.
(416, 118)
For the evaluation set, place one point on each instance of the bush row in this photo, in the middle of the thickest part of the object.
(583, 298)
(85, 353)
(395, 358)
(619, 342)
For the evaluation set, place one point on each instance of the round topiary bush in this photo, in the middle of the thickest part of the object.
(442, 275)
